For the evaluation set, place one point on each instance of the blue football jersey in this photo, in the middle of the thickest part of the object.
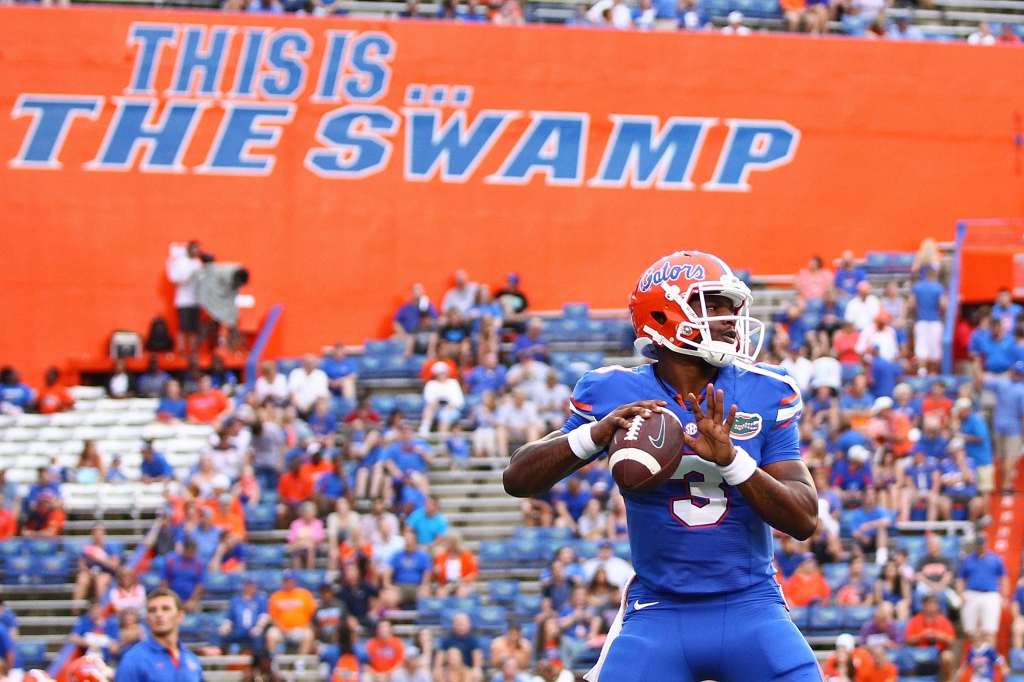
(695, 534)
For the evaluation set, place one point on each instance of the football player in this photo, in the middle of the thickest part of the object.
(703, 604)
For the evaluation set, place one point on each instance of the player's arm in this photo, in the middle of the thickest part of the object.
(539, 465)
(782, 493)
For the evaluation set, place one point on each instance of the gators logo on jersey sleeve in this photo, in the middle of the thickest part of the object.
(746, 426)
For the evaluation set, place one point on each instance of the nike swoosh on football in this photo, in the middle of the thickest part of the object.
(639, 607)
(660, 440)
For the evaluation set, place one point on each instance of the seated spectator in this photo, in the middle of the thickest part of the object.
(531, 344)
(849, 274)
(1017, 611)
(321, 420)
(184, 572)
(877, 667)
(386, 652)
(813, 281)
(371, 522)
(920, 485)
(291, 612)
(549, 652)
(879, 338)
(428, 523)
(856, 591)
(331, 485)
(119, 385)
(518, 421)
(47, 521)
(455, 568)
(936, 404)
(856, 403)
(409, 571)
(552, 401)
(15, 395)
(977, 444)
(97, 634)
(152, 382)
(513, 302)
(304, 535)
(386, 545)
(292, 490)
(460, 297)
(870, 524)
(484, 420)
(443, 400)
(807, 585)
(579, 623)
(358, 595)
(341, 524)
(982, 660)
(306, 384)
(205, 535)
(127, 594)
(130, 630)
(863, 309)
(592, 523)
(407, 459)
(154, 467)
(570, 503)
(90, 469)
(931, 628)
(881, 630)
(453, 337)
(172, 406)
(229, 516)
(555, 590)
(852, 476)
(342, 372)
(115, 474)
(992, 348)
(330, 614)
(798, 366)
(207, 479)
(246, 620)
(892, 588)
(981, 582)
(407, 317)
(958, 484)
(844, 343)
(487, 376)
(207, 405)
(96, 567)
(1008, 36)
(55, 397)
(271, 385)
(466, 643)
(511, 645)
(618, 569)
(231, 555)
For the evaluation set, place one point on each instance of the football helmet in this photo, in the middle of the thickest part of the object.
(669, 309)
(36, 676)
(89, 668)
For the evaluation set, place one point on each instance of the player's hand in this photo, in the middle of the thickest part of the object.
(712, 442)
(605, 429)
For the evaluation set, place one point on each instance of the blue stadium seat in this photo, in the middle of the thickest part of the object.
(561, 360)
(268, 581)
(266, 556)
(850, 370)
(260, 517)
(527, 605)
(871, 572)
(414, 365)
(798, 614)
(492, 619)
(494, 552)
(12, 547)
(586, 549)
(563, 535)
(1014, 678)
(846, 523)
(856, 616)
(311, 580)
(19, 570)
(342, 407)
(286, 365)
(463, 604)
(267, 497)
(370, 366)
(622, 549)
(529, 631)
(503, 591)
(32, 654)
(591, 358)
(384, 404)
(836, 574)
(914, 544)
(428, 610)
(411, 404)
(825, 619)
(53, 570)
(525, 550)
(529, 533)
(222, 584)
(1017, 660)
(575, 311)
(150, 581)
(43, 547)
(716, 8)
(193, 628)
(951, 545)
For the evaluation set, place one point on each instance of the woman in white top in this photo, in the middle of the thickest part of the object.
(443, 400)
(485, 421)
(342, 524)
(593, 523)
(271, 384)
(127, 593)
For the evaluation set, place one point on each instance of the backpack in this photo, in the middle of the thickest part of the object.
(159, 338)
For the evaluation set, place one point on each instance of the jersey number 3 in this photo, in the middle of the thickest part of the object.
(706, 501)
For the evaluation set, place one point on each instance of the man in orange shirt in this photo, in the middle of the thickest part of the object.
(807, 585)
(292, 490)
(931, 628)
(880, 669)
(229, 515)
(8, 521)
(386, 651)
(316, 464)
(207, 405)
(291, 612)
(847, 653)
(55, 397)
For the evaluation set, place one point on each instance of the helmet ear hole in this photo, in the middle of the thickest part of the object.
(659, 317)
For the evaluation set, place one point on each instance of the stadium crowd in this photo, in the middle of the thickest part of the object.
(887, 439)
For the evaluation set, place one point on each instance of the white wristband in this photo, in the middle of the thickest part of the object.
(582, 443)
(742, 467)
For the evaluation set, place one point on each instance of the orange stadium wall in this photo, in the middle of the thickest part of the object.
(343, 160)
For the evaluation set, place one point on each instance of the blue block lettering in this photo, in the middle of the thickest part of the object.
(640, 155)
(450, 148)
(285, 54)
(371, 53)
(554, 144)
(151, 39)
(354, 141)
(246, 125)
(749, 146)
(52, 116)
(249, 64)
(133, 128)
(194, 60)
(332, 66)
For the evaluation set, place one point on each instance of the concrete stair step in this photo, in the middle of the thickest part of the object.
(483, 517)
(452, 504)
(483, 475)
(486, 532)
(468, 489)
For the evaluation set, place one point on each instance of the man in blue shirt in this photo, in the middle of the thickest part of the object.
(183, 574)
(408, 458)
(852, 475)
(884, 375)
(409, 571)
(992, 347)
(14, 391)
(977, 443)
(870, 523)
(1007, 417)
(205, 535)
(154, 467)
(162, 657)
(488, 376)
(407, 319)
(246, 620)
(342, 372)
(983, 584)
(928, 298)
(96, 633)
(571, 502)
(849, 275)
(152, 382)
(531, 344)
(1006, 311)
(428, 523)
(45, 484)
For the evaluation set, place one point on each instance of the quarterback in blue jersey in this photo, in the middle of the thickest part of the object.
(703, 604)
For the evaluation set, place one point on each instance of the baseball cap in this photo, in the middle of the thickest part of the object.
(512, 277)
(846, 641)
(735, 17)
(604, 543)
(881, 403)
(963, 404)
(858, 453)
(439, 366)
(288, 574)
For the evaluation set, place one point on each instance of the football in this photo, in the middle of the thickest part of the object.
(646, 454)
